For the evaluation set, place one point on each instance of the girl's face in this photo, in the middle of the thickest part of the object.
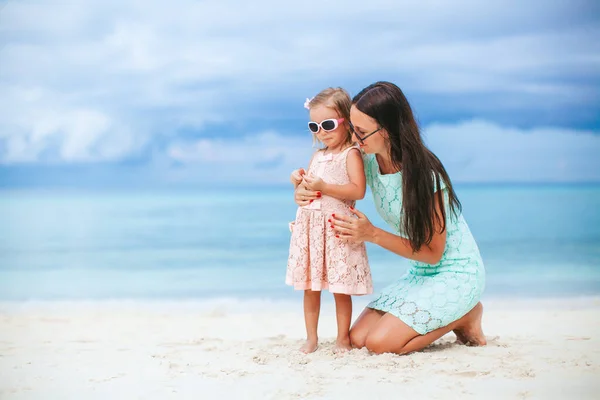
(367, 132)
(322, 115)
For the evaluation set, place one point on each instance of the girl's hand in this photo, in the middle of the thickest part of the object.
(303, 196)
(297, 175)
(313, 183)
(350, 229)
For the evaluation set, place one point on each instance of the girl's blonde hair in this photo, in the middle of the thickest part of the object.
(338, 100)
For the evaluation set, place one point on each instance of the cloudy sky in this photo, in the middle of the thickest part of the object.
(132, 92)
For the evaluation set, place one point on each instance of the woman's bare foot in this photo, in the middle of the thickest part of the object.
(342, 346)
(309, 347)
(470, 332)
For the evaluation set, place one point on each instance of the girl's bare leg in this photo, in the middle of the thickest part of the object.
(343, 313)
(312, 308)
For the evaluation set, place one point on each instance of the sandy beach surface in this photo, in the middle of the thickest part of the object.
(546, 349)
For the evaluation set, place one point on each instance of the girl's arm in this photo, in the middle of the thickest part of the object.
(298, 174)
(355, 190)
(296, 177)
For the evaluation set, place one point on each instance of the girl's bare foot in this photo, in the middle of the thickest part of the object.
(342, 346)
(309, 347)
(471, 333)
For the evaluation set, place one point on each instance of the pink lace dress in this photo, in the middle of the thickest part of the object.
(317, 259)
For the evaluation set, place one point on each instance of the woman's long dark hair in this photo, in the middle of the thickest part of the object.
(421, 169)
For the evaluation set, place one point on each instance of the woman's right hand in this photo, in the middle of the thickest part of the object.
(297, 175)
(303, 196)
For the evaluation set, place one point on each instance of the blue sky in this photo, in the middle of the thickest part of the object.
(142, 93)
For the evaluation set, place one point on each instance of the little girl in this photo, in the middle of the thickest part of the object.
(317, 259)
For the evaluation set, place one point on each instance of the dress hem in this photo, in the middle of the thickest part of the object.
(337, 289)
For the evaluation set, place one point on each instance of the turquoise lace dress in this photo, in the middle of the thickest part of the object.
(427, 297)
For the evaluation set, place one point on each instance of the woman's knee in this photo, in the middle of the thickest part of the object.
(376, 343)
(390, 336)
(358, 337)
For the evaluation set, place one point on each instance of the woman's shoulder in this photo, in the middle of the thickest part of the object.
(367, 158)
(369, 166)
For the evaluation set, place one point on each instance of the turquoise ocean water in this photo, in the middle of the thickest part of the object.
(536, 241)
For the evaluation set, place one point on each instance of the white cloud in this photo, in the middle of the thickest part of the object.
(52, 133)
(481, 151)
(97, 80)
(265, 157)
(472, 151)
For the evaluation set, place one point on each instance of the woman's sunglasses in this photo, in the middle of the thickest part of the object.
(327, 125)
(362, 139)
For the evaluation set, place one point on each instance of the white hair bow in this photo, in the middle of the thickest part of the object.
(307, 103)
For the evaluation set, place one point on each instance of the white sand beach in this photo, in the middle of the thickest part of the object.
(183, 350)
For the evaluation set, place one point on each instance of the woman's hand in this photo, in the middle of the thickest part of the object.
(352, 229)
(304, 196)
(313, 183)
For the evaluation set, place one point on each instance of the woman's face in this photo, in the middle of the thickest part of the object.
(364, 126)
